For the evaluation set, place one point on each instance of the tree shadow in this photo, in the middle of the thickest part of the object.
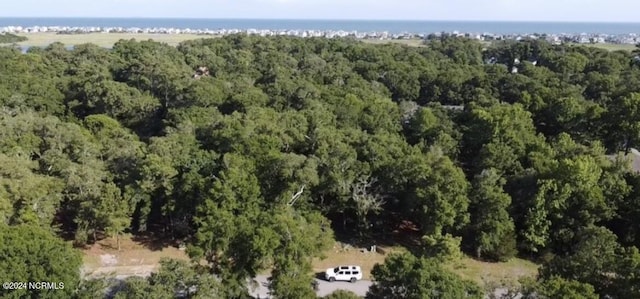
(155, 242)
(393, 232)
(319, 276)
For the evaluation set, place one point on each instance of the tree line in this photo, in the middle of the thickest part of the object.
(493, 151)
(9, 38)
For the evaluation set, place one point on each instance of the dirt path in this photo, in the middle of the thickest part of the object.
(136, 258)
(119, 271)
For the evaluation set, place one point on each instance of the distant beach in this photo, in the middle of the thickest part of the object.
(393, 27)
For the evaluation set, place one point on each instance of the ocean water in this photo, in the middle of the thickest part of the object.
(348, 25)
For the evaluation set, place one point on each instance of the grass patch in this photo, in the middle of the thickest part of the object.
(43, 39)
(103, 39)
(135, 257)
(408, 42)
(485, 273)
(610, 47)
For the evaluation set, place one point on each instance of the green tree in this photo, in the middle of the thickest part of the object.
(557, 287)
(27, 197)
(535, 232)
(174, 279)
(571, 115)
(342, 294)
(431, 126)
(440, 200)
(94, 93)
(29, 253)
(627, 280)
(628, 209)
(500, 137)
(405, 276)
(592, 259)
(226, 222)
(491, 225)
(302, 236)
(568, 65)
(627, 115)
(175, 178)
(139, 288)
(24, 88)
(578, 199)
(92, 288)
(154, 67)
(291, 280)
(8, 38)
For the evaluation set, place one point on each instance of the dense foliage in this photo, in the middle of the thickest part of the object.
(32, 254)
(255, 162)
(175, 278)
(404, 276)
(342, 294)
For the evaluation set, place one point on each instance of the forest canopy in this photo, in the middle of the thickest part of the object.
(257, 152)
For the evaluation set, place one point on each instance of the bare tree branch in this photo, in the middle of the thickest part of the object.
(296, 196)
(366, 198)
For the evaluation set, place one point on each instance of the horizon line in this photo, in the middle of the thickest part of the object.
(324, 19)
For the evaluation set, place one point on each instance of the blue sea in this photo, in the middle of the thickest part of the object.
(418, 27)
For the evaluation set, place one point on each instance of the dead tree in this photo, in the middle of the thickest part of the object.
(296, 196)
(367, 198)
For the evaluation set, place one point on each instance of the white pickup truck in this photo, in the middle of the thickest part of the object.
(344, 273)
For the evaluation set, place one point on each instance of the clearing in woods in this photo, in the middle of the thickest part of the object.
(140, 257)
(137, 257)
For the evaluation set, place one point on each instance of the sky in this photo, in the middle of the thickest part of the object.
(470, 10)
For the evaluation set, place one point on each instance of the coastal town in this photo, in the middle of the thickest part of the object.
(556, 38)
